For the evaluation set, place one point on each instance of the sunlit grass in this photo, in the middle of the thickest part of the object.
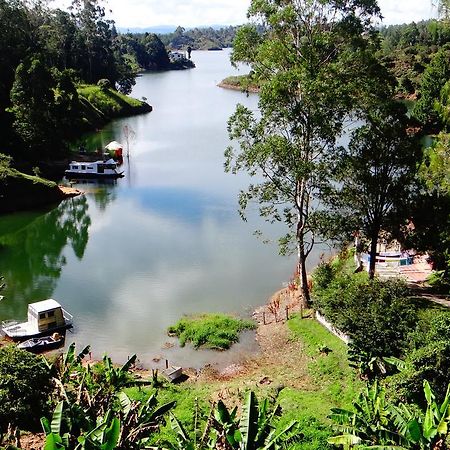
(216, 331)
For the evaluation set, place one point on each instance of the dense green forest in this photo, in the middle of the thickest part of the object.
(46, 55)
(409, 48)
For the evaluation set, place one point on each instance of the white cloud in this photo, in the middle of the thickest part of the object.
(406, 11)
(191, 13)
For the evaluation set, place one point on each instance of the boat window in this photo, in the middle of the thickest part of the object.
(110, 166)
(51, 314)
(41, 315)
(75, 167)
(51, 325)
(83, 167)
(90, 168)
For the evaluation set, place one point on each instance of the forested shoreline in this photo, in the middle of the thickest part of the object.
(48, 56)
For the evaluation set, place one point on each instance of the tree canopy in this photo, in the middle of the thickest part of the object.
(315, 65)
(375, 174)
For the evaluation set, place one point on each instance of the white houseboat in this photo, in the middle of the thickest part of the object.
(94, 169)
(44, 318)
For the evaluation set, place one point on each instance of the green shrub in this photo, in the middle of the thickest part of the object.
(104, 84)
(433, 325)
(431, 363)
(428, 358)
(217, 331)
(322, 277)
(375, 314)
(25, 386)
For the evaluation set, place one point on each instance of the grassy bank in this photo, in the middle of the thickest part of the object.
(216, 331)
(240, 83)
(97, 106)
(306, 382)
(20, 191)
(100, 105)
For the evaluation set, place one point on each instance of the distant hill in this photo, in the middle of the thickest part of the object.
(165, 29)
(209, 38)
(160, 29)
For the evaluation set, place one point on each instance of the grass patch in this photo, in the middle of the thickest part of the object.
(216, 331)
(335, 383)
(109, 102)
(192, 406)
(243, 82)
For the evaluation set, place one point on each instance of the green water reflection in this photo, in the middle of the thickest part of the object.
(32, 252)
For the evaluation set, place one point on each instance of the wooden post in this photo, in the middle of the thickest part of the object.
(264, 317)
(301, 310)
(287, 312)
(167, 363)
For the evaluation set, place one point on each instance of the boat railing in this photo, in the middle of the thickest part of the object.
(68, 318)
(13, 327)
(7, 323)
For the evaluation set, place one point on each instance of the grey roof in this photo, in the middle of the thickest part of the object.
(45, 305)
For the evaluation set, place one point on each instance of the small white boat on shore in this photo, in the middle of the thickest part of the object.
(44, 318)
(94, 169)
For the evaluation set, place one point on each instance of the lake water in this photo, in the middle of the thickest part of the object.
(129, 258)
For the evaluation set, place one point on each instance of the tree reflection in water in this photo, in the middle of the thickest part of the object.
(32, 252)
(103, 191)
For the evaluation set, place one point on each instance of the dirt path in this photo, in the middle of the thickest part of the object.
(280, 363)
(69, 191)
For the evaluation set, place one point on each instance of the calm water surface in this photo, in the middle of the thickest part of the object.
(130, 258)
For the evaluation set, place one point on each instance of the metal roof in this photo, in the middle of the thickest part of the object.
(45, 305)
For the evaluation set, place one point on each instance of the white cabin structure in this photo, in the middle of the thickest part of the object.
(44, 318)
(94, 169)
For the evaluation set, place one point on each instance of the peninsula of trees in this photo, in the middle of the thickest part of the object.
(66, 72)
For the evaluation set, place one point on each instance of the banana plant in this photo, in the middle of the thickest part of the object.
(139, 419)
(370, 366)
(53, 438)
(184, 442)
(70, 361)
(368, 425)
(118, 376)
(103, 436)
(225, 425)
(121, 377)
(218, 432)
(424, 429)
(255, 430)
(257, 426)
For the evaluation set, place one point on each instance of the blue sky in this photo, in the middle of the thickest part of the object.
(190, 13)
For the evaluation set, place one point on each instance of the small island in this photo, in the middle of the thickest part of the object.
(214, 331)
(243, 83)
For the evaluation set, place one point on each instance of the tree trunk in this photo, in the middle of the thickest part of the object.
(300, 235)
(303, 277)
(373, 254)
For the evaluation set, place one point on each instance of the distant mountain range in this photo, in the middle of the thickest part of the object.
(165, 29)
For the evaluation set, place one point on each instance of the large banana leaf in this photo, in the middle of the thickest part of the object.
(111, 435)
(248, 425)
